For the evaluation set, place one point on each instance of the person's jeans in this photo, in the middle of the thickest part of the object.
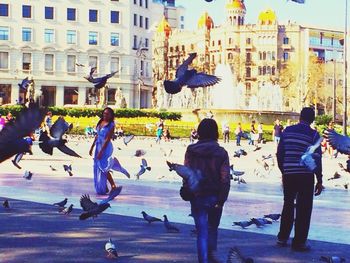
(239, 136)
(226, 137)
(207, 220)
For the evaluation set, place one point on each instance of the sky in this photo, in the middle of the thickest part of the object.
(321, 13)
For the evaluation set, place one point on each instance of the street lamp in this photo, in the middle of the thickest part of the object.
(345, 68)
(334, 89)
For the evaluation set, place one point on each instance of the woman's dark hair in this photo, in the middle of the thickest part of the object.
(111, 111)
(208, 130)
(307, 114)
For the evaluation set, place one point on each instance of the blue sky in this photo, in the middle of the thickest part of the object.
(320, 13)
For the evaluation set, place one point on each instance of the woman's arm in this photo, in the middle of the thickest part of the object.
(93, 145)
(105, 143)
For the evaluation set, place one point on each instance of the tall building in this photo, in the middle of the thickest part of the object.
(45, 40)
(258, 54)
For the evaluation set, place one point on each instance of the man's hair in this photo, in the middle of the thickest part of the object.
(307, 114)
(208, 130)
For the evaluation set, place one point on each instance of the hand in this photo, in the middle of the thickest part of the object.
(318, 189)
(91, 150)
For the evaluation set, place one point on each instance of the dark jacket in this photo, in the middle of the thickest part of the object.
(213, 161)
(294, 142)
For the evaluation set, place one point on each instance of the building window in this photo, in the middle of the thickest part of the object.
(48, 12)
(141, 21)
(146, 42)
(135, 42)
(71, 14)
(71, 63)
(146, 3)
(26, 34)
(93, 15)
(92, 38)
(146, 22)
(26, 11)
(260, 71)
(135, 2)
(49, 62)
(268, 70)
(182, 18)
(249, 57)
(286, 40)
(248, 88)
(71, 37)
(248, 72)
(264, 70)
(114, 64)
(26, 61)
(135, 19)
(4, 60)
(4, 10)
(115, 17)
(285, 56)
(49, 35)
(182, 26)
(4, 33)
(93, 61)
(140, 2)
(273, 55)
(248, 41)
(70, 95)
(273, 70)
(114, 39)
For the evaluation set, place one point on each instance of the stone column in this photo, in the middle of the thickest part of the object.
(59, 95)
(82, 96)
(14, 92)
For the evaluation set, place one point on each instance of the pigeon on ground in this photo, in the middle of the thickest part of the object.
(139, 153)
(243, 224)
(62, 203)
(112, 194)
(52, 168)
(343, 168)
(235, 256)
(68, 169)
(189, 77)
(28, 175)
(143, 167)
(339, 142)
(17, 159)
(128, 139)
(165, 153)
(235, 173)
(332, 259)
(92, 209)
(58, 129)
(150, 218)
(335, 176)
(101, 81)
(239, 153)
(263, 157)
(346, 186)
(191, 177)
(169, 227)
(273, 217)
(111, 249)
(6, 204)
(257, 148)
(239, 180)
(67, 210)
(308, 158)
(259, 222)
(25, 84)
(12, 139)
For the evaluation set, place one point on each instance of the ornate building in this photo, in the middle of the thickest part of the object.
(265, 54)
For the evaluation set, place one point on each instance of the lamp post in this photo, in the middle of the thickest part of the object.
(334, 89)
(345, 69)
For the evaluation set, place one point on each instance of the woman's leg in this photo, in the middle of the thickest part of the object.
(110, 180)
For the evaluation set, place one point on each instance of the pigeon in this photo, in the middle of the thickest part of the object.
(62, 203)
(190, 78)
(12, 139)
(273, 217)
(257, 148)
(113, 194)
(67, 210)
(235, 173)
(263, 157)
(166, 154)
(149, 218)
(259, 222)
(58, 129)
(343, 168)
(68, 168)
(308, 158)
(143, 167)
(111, 249)
(235, 256)
(128, 138)
(17, 159)
(243, 224)
(52, 168)
(239, 153)
(79, 65)
(92, 209)
(101, 81)
(239, 180)
(25, 84)
(169, 227)
(28, 175)
(6, 204)
(335, 176)
(332, 259)
(191, 177)
(346, 186)
(339, 142)
(139, 153)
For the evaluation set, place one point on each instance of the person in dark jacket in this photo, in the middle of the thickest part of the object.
(298, 180)
(206, 205)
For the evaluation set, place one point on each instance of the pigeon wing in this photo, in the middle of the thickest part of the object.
(59, 128)
(184, 66)
(144, 163)
(44, 145)
(65, 149)
(202, 80)
(128, 138)
(113, 194)
(87, 204)
(337, 141)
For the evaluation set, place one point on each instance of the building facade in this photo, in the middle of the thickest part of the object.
(45, 40)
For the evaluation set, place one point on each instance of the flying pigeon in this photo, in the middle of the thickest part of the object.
(92, 209)
(58, 129)
(113, 194)
(343, 168)
(337, 141)
(12, 139)
(111, 249)
(260, 221)
(190, 78)
(149, 218)
(332, 259)
(143, 167)
(169, 227)
(307, 159)
(257, 148)
(128, 138)
(263, 157)
(17, 159)
(273, 217)
(335, 176)
(52, 168)
(235, 256)
(139, 153)
(191, 177)
(62, 203)
(235, 173)
(243, 224)
(239, 180)
(67, 210)
(346, 186)
(101, 81)
(68, 168)
(6, 204)
(239, 153)
(28, 175)
(165, 153)
(25, 84)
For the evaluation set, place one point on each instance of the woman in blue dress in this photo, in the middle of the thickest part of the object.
(103, 159)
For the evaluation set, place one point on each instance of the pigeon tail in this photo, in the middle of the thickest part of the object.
(172, 87)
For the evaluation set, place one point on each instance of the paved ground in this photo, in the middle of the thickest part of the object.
(35, 232)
